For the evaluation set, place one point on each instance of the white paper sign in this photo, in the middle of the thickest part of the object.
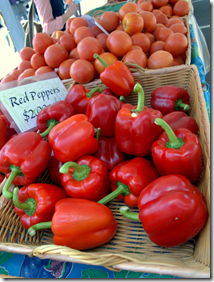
(23, 103)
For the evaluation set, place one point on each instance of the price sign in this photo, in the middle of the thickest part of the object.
(23, 103)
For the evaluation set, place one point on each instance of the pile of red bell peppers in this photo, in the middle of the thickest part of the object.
(96, 148)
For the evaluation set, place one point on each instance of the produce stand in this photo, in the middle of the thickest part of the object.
(130, 250)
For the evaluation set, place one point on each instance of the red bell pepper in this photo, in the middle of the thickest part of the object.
(117, 77)
(179, 119)
(102, 111)
(87, 178)
(53, 170)
(73, 138)
(2, 177)
(129, 178)
(35, 203)
(51, 115)
(9, 130)
(170, 98)
(177, 152)
(3, 130)
(79, 97)
(172, 210)
(79, 224)
(23, 159)
(109, 152)
(135, 130)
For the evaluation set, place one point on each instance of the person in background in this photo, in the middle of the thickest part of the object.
(52, 14)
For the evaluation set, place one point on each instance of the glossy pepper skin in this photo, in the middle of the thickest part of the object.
(177, 152)
(80, 224)
(79, 97)
(53, 170)
(135, 174)
(23, 159)
(73, 138)
(179, 119)
(117, 77)
(135, 130)
(172, 210)
(109, 152)
(102, 111)
(170, 98)
(87, 178)
(10, 132)
(36, 203)
(53, 114)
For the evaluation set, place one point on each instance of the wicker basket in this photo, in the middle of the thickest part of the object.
(131, 249)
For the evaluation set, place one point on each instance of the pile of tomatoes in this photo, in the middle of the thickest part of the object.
(151, 33)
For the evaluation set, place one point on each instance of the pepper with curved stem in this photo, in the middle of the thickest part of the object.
(140, 104)
(50, 124)
(130, 215)
(29, 206)
(15, 170)
(80, 171)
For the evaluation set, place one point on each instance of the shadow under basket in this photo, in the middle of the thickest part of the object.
(131, 249)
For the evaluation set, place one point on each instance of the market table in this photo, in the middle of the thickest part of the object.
(18, 265)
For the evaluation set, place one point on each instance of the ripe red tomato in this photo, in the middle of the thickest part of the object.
(37, 61)
(67, 25)
(172, 21)
(67, 41)
(163, 33)
(141, 40)
(157, 46)
(161, 18)
(82, 71)
(87, 47)
(178, 61)
(82, 32)
(64, 69)
(8, 78)
(120, 27)
(54, 55)
(26, 73)
(108, 57)
(133, 23)
(181, 8)
(44, 69)
(137, 56)
(119, 42)
(146, 6)
(102, 37)
(109, 20)
(127, 8)
(57, 34)
(73, 54)
(167, 10)
(15, 73)
(136, 47)
(96, 30)
(23, 65)
(77, 22)
(158, 26)
(160, 59)
(26, 53)
(159, 3)
(150, 36)
(41, 41)
(176, 44)
(149, 20)
(179, 28)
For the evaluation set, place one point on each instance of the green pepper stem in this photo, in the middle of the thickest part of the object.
(42, 225)
(121, 189)
(96, 56)
(180, 105)
(97, 132)
(173, 142)
(80, 171)
(122, 99)
(50, 124)
(29, 206)
(15, 170)
(96, 89)
(140, 105)
(131, 215)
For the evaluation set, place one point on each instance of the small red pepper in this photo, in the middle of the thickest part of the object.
(79, 224)
(102, 111)
(135, 130)
(170, 98)
(22, 159)
(73, 138)
(179, 119)
(117, 77)
(51, 115)
(172, 210)
(35, 203)
(87, 178)
(53, 170)
(129, 178)
(109, 152)
(79, 97)
(177, 152)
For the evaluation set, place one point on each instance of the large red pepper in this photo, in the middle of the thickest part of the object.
(172, 210)
(179, 119)
(117, 77)
(79, 97)
(102, 111)
(135, 130)
(23, 159)
(51, 115)
(109, 152)
(53, 170)
(177, 152)
(87, 178)
(170, 98)
(35, 203)
(129, 178)
(80, 224)
(73, 138)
